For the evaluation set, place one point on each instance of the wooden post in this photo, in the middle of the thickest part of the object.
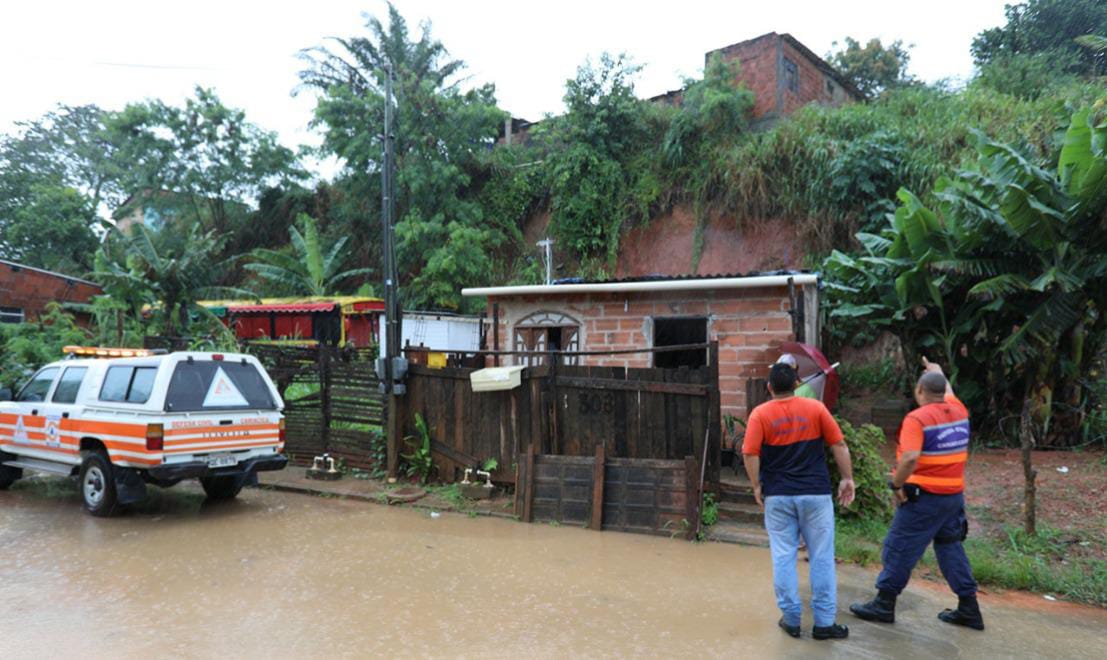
(555, 435)
(597, 490)
(714, 417)
(325, 394)
(528, 497)
(692, 507)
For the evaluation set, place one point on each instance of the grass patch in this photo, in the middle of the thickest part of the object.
(1040, 564)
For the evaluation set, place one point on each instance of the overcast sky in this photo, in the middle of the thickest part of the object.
(109, 52)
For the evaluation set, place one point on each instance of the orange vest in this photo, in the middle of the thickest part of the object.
(941, 432)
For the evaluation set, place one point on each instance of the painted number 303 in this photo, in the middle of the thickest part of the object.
(594, 403)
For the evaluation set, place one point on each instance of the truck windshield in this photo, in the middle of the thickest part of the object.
(217, 385)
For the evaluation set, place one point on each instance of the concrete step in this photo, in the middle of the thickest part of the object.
(741, 533)
(743, 512)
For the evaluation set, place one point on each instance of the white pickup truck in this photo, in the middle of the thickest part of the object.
(120, 419)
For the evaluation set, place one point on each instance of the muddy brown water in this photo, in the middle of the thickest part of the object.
(291, 576)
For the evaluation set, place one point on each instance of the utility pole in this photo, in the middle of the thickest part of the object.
(393, 322)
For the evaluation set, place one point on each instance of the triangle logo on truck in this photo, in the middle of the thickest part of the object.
(222, 393)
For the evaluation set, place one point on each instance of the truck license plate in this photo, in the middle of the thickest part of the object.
(221, 460)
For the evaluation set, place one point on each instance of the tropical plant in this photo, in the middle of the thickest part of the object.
(870, 473)
(420, 462)
(179, 270)
(442, 134)
(312, 268)
(1006, 285)
(27, 346)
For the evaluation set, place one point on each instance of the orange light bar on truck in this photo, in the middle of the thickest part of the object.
(100, 351)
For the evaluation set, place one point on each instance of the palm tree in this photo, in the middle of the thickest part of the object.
(180, 270)
(311, 269)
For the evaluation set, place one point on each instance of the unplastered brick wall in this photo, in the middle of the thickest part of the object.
(749, 325)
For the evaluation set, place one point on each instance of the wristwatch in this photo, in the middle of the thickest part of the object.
(893, 486)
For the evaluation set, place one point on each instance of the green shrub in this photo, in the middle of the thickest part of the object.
(870, 473)
(27, 346)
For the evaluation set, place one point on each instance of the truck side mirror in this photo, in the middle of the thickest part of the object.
(5, 394)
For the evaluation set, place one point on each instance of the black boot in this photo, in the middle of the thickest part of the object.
(833, 631)
(794, 631)
(967, 614)
(881, 609)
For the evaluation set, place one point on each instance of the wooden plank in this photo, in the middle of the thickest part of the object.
(596, 522)
(458, 457)
(528, 501)
(695, 389)
(691, 488)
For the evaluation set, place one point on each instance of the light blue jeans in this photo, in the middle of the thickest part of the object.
(787, 518)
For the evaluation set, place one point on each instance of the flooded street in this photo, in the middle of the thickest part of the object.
(285, 575)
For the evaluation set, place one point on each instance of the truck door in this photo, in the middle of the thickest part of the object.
(27, 431)
(58, 425)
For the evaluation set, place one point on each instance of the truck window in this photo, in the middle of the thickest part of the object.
(128, 384)
(69, 385)
(217, 385)
(38, 387)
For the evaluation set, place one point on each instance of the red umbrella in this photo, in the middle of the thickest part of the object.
(815, 370)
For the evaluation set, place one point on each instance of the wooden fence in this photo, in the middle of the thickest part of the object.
(568, 411)
(332, 401)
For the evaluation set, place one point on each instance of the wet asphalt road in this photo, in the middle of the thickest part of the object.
(290, 576)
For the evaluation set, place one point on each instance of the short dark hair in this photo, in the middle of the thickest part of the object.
(933, 383)
(782, 378)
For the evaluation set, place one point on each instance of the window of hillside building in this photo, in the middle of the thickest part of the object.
(543, 332)
(678, 331)
(11, 314)
(791, 76)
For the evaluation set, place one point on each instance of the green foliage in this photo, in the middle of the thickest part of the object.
(1006, 286)
(1050, 28)
(870, 473)
(882, 374)
(443, 132)
(312, 269)
(709, 510)
(29, 345)
(420, 462)
(51, 228)
(378, 452)
(874, 67)
(205, 154)
(490, 465)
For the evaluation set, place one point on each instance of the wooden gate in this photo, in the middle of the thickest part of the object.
(649, 496)
(663, 414)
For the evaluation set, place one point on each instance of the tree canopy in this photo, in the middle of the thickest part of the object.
(873, 67)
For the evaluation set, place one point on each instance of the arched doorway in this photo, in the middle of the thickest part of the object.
(543, 332)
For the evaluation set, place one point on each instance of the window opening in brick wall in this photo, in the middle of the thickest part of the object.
(547, 331)
(791, 76)
(676, 331)
(11, 315)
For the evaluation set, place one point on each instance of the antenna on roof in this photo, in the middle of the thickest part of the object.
(547, 255)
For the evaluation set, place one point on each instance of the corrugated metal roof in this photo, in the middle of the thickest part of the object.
(293, 307)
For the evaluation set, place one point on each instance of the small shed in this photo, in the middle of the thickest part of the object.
(749, 316)
(333, 321)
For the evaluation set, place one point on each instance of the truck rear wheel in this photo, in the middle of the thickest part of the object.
(98, 485)
(221, 488)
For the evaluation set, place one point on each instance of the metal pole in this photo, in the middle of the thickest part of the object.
(391, 307)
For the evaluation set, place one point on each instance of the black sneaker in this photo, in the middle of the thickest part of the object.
(967, 614)
(834, 631)
(881, 609)
(794, 631)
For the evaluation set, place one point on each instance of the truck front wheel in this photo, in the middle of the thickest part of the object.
(98, 485)
(221, 488)
(8, 475)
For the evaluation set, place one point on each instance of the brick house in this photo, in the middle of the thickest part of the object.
(25, 292)
(749, 316)
(784, 75)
